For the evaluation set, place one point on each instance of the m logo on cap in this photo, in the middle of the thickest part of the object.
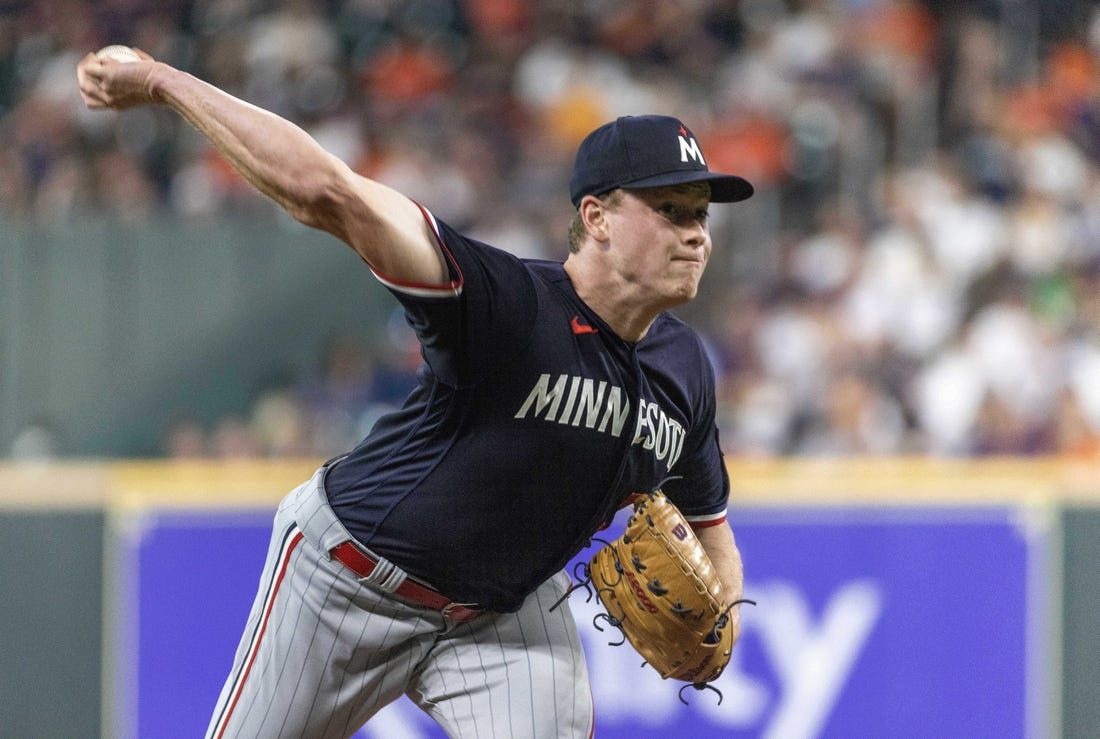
(635, 152)
(690, 150)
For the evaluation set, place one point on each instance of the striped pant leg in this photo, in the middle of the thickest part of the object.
(320, 653)
(510, 675)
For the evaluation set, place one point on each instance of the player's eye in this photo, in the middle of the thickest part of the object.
(681, 216)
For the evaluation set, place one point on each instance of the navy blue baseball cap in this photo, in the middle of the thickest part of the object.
(647, 151)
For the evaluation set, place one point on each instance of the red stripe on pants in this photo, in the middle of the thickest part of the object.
(255, 646)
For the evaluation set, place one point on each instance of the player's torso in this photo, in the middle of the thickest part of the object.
(489, 484)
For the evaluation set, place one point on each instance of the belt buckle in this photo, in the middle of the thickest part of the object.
(460, 613)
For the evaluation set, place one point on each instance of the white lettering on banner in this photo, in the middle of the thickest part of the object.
(812, 662)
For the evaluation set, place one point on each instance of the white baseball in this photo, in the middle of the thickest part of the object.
(119, 53)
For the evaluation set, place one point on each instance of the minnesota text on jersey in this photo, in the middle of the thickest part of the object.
(575, 400)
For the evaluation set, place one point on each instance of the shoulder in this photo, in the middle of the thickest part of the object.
(482, 271)
(677, 342)
(550, 272)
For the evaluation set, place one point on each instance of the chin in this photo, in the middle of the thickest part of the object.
(689, 289)
(683, 295)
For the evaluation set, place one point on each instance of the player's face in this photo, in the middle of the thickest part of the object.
(662, 240)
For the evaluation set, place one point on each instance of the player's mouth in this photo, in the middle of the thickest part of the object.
(690, 259)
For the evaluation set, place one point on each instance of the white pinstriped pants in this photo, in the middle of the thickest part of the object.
(322, 651)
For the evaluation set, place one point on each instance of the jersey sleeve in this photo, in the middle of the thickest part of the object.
(480, 319)
(700, 485)
(703, 496)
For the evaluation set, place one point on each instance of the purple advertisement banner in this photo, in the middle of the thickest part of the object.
(870, 622)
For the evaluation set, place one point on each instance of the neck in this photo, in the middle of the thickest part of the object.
(612, 300)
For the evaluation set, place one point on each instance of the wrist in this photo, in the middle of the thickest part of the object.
(157, 82)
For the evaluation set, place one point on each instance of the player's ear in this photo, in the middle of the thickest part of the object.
(593, 213)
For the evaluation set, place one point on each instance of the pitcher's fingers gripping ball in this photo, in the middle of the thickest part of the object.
(115, 77)
(118, 53)
(660, 587)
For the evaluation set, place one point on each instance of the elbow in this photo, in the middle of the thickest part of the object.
(321, 199)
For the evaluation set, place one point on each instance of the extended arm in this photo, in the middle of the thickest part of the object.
(282, 161)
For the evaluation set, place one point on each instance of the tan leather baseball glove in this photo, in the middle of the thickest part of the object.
(659, 586)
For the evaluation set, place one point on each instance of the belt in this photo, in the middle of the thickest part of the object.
(362, 564)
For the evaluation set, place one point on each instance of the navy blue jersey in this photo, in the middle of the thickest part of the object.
(531, 425)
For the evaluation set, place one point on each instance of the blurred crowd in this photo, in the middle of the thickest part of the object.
(919, 272)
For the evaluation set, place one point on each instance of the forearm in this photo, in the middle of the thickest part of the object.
(285, 163)
(280, 159)
(721, 548)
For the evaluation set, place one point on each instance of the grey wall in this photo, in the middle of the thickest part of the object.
(109, 330)
(1081, 624)
(51, 624)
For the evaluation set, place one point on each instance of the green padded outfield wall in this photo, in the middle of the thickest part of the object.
(51, 624)
(1081, 625)
(108, 331)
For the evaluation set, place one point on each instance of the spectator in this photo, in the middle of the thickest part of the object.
(931, 194)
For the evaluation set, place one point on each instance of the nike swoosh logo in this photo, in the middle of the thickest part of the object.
(582, 328)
